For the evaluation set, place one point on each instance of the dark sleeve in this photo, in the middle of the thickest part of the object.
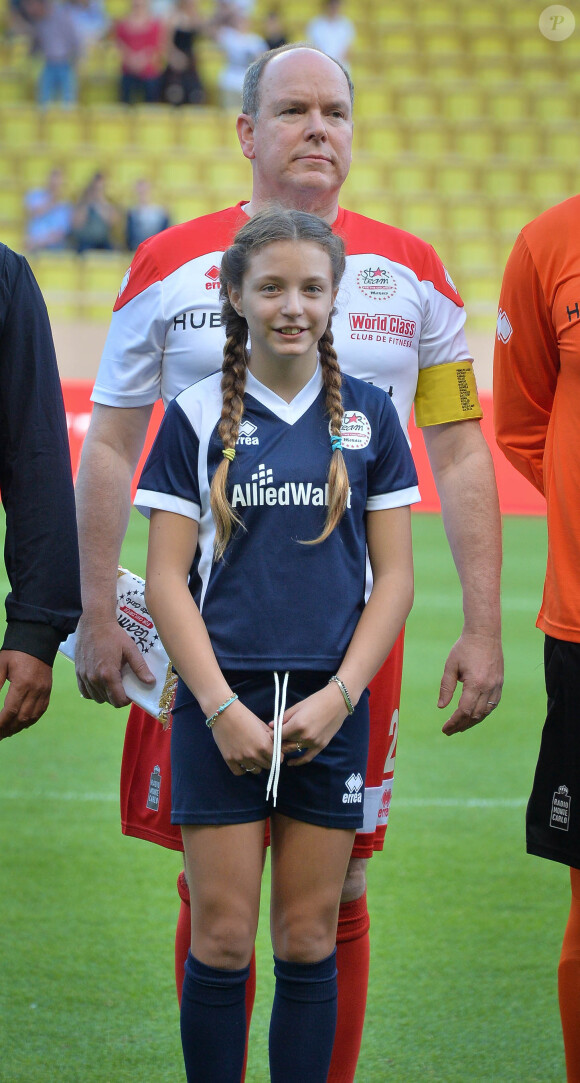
(41, 547)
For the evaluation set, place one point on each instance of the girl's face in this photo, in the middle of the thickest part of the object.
(286, 298)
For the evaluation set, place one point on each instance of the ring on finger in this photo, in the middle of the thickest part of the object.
(490, 703)
(299, 747)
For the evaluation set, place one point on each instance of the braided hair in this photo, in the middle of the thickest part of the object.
(268, 226)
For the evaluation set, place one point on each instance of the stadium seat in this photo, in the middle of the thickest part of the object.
(200, 129)
(181, 170)
(502, 177)
(462, 102)
(110, 127)
(554, 103)
(63, 128)
(409, 177)
(126, 169)
(507, 104)
(189, 204)
(476, 141)
(520, 140)
(428, 139)
(102, 273)
(12, 235)
(456, 176)
(225, 170)
(60, 277)
(467, 214)
(560, 142)
(19, 125)
(422, 215)
(551, 182)
(153, 126)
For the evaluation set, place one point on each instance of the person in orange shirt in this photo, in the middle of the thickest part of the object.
(536, 394)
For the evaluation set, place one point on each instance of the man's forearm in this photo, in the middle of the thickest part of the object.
(463, 470)
(103, 495)
(471, 517)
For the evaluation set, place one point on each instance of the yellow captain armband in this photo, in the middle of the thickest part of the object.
(446, 393)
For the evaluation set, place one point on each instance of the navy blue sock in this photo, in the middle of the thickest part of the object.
(213, 1022)
(303, 1021)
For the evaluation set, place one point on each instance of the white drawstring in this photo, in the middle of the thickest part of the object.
(276, 752)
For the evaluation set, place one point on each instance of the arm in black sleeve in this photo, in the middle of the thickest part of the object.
(41, 548)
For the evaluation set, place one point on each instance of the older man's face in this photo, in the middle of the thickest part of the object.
(301, 140)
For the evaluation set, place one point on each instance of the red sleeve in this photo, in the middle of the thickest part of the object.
(526, 362)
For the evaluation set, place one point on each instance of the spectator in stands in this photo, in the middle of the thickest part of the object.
(273, 29)
(53, 36)
(181, 81)
(331, 31)
(95, 218)
(145, 218)
(49, 215)
(240, 47)
(91, 20)
(141, 39)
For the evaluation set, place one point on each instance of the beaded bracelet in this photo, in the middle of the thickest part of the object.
(345, 693)
(212, 718)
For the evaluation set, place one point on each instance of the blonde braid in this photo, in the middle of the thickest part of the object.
(233, 385)
(338, 484)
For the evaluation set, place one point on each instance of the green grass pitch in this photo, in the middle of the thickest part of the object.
(466, 929)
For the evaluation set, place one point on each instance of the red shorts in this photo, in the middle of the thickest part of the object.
(146, 774)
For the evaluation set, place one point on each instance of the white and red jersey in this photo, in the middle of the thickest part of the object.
(398, 314)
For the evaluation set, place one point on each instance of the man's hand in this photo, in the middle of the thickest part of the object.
(476, 661)
(101, 652)
(29, 692)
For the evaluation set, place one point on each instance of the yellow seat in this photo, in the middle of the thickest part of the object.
(410, 177)
(503, 177)
(475, 141)
(19, 125)
(428, 139)
(226, 170)
(387, 139)
(193, 203)
(109, 126)
(552, 182)
(201, 128)
(463, 102)
(60, 277)
(467, 214)
(12, 235)
(102, 274)
(520, 141)
(154, 126)
(64, 128)
(508, 103)
(456, 177)
(422, 215)
(182, 170)
(11, 203)
(553, 103)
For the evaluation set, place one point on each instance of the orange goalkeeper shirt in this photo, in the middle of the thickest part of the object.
(537, 394)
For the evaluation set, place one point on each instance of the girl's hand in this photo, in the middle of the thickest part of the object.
(312, 723)
(244, 741)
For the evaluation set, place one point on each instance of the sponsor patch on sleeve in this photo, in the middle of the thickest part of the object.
(446, 393)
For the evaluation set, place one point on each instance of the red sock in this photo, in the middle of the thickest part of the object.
(569, 984)
(182, 946)
(352, 961)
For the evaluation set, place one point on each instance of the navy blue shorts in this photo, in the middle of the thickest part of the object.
(328, 792)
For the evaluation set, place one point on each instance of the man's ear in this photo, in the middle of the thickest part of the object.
(245, 129)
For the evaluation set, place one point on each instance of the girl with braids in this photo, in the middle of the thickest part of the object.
(265, 486)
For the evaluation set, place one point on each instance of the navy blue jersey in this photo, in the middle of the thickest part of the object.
(274, 602)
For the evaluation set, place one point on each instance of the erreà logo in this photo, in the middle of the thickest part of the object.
(214, 278)
(260, 491)
(246, 434)
(354, 785)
